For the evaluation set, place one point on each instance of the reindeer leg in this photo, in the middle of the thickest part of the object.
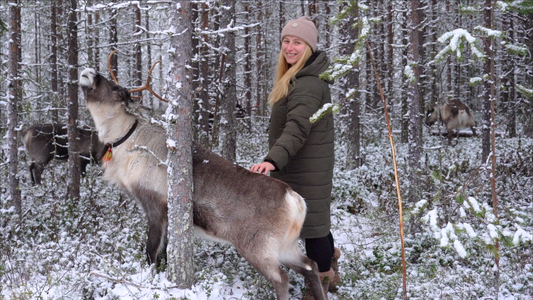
(269, 267)
(155, 240)
(37, 171)
(155, 208)
(264, 255)
(32, 177)
(157, 230)
(83, 166)
(309, 269)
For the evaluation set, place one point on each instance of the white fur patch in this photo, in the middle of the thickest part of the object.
(87, 77)
(199, 232)
(297, 206)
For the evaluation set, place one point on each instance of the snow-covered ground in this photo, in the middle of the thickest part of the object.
(94, 249)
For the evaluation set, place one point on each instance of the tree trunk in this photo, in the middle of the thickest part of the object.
(149, 100)
(434, 72)
(414, 107)
(487, 83)
(327, 32)
(404, 135)
(204, 105)
(260, 56)
(227, 134)
(390, 47)
(528, 121)
(196, 75)
(138, 70)
(246, 103)
(281, 13)
(14, 97)
(37, 65)
(72, 106)
(180, 181)
(509, 93)
(53, 62)
(113, 40)
(349, 35)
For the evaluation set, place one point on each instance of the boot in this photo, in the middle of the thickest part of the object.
(334, 265)
(325, 279)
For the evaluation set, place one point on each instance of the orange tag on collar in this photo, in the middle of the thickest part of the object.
(108, 155)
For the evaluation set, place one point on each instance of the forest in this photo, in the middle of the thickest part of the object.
(417, 212)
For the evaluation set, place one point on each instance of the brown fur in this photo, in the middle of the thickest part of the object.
(454, 115)
(251, 211)
(45, 142)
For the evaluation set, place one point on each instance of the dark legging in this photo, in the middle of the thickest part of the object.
(321, 251)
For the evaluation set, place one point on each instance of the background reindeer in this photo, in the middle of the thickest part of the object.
(45, 142)
(454, 115)
(261, 216)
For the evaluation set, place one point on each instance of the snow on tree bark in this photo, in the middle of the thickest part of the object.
(14, 95)
(350, 34)
(72, 105)
(227, 134)
(180, 264)
(487, 85)
(415, 193)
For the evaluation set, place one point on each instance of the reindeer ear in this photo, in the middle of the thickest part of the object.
(121, 92)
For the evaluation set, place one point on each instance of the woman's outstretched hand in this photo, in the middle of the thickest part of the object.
(262, 168)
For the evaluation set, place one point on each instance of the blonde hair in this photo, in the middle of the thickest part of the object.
(284, 74)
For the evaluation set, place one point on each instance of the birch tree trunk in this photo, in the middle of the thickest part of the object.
(180, 181)
(14, 96)
(72, 105)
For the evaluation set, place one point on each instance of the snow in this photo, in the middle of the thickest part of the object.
(521, 235)
(409, 73)
(456, 38)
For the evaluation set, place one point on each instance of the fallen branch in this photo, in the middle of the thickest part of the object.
(116, 280)
(462, 133)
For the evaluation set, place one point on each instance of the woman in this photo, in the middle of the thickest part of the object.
(302, 154)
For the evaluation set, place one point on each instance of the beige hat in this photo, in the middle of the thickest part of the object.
(302, 28)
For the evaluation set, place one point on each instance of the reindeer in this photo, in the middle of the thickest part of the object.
(261, 216)
(454, 115)
(45, 142)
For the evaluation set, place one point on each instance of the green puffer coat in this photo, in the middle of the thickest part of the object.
(303, 153)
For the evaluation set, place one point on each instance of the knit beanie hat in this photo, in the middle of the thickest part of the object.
(302, 28)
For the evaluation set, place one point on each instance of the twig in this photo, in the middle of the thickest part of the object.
(116, 280)
(404, 271)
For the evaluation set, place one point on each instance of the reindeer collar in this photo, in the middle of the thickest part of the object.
(107, 153)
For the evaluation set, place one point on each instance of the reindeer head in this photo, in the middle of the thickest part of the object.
(431, 116)
(98, 89)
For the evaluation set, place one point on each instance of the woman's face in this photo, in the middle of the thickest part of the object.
(292, 48)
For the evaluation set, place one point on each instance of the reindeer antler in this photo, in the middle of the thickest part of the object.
(109, 66)
(147, 85)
